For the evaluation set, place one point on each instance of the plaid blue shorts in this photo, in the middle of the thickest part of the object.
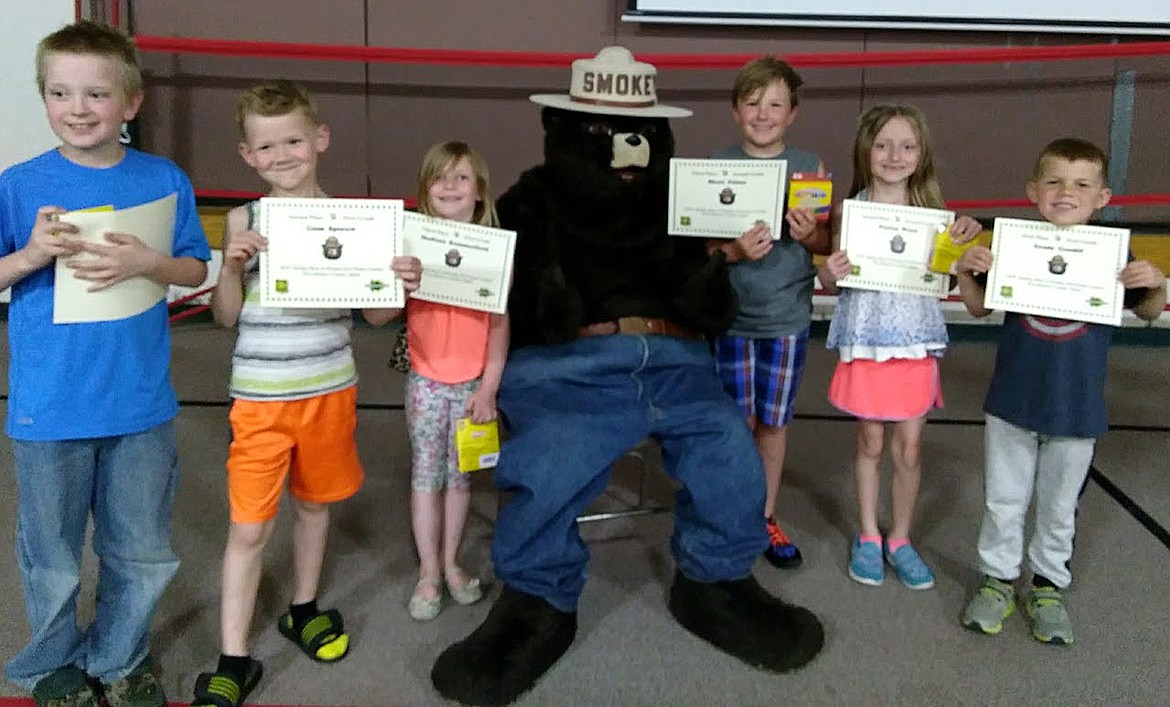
(762, 375)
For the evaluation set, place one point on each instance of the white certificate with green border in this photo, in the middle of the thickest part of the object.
(724, 198)
(889, 247)
(1068, 273)
(330, 253)
(463, 264)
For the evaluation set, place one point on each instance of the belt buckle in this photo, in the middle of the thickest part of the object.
(637, 325)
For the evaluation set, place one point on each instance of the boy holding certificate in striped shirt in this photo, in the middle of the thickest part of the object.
(295, 404)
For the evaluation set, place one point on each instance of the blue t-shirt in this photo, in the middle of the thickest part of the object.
(97, 379)
(1050, 376)
(774, 292)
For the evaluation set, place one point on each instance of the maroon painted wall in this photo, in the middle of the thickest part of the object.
(988, 121)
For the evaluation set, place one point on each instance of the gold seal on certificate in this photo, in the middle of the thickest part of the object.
(724, 198)
(464, 264)
(152, 223)
(889, 247)
(1068, 273)
(330, 253)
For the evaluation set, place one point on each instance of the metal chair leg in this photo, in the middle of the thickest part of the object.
(641, 507)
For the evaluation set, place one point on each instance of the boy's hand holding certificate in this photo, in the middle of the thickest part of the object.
(1069, 273)
(152, 223)
(724, 198)
(464, 264)
(330, 253)
(890, 247)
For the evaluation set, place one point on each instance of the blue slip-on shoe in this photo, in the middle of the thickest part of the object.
(910, 568)
(865, 563)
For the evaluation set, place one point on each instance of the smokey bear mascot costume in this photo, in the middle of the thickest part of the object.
(608, 318)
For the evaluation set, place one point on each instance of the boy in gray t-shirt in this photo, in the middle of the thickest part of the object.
(761, 356)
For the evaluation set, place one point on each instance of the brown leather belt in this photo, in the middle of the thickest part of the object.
(640, 325)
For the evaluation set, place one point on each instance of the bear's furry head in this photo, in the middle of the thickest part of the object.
(609, 163)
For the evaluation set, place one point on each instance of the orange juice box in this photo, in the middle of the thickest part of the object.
(477, 446)
(811, 190)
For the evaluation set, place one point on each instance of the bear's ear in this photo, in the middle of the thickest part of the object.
(552, 118)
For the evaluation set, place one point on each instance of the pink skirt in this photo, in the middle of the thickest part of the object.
(897, 389)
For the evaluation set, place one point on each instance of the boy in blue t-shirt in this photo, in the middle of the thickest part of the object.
(1045, 408)
(91, 405)
(761, 357)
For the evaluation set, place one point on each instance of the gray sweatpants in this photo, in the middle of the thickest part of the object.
(1018, 461)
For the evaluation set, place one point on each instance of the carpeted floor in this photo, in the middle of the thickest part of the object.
(885, 646)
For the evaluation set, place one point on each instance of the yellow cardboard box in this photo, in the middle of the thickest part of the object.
(478, 446)
(946, 252)
(811, 190)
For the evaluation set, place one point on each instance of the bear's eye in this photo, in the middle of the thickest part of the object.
(597, 128)
(648, 130)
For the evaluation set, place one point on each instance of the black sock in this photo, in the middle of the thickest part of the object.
(1040, 581)
(301, 613)
(234, 665)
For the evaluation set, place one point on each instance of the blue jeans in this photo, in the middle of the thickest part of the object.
(574, 409)
(128, 484)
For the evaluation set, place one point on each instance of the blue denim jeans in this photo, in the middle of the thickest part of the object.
(574, 409)
(128, 484)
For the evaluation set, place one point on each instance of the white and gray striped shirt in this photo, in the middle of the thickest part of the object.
(289, 354)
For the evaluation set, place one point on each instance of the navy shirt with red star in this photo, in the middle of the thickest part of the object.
(1050, 373)
(1050, 376)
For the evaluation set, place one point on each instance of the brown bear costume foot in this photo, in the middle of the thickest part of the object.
(739, 617)
(522, 636)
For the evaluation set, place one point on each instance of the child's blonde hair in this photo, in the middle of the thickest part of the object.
(759, 73)
(94, 39)
(440, 157)
(279, 97)
(1073, 149)
(923, 188)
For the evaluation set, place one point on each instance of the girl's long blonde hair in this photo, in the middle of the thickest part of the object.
(923, 188)
(440, 157)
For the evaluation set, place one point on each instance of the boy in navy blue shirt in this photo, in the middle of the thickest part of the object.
(1045, 408)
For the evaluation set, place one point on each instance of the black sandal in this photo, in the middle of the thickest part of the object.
(221, 689)
(322, 637)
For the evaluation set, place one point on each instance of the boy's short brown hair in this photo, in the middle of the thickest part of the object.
(96, 39)
(758, 73)
(1073, 149)
(279, 97)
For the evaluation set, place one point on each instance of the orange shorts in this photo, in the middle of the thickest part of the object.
(897, 389)
(309, 441)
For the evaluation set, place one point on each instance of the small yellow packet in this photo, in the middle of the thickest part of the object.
(478, 446)
(103, 207)
(811, 191)
(946, 252)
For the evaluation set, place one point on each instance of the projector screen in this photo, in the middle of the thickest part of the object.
(1081, 16)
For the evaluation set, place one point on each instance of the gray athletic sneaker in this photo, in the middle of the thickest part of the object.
(1049, 618)
(993, 602)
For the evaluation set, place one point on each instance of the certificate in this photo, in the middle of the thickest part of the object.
(1069, 273)
(332, 253)
(464, 264)
(724, 198)
(889, 247)
(152, 223)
